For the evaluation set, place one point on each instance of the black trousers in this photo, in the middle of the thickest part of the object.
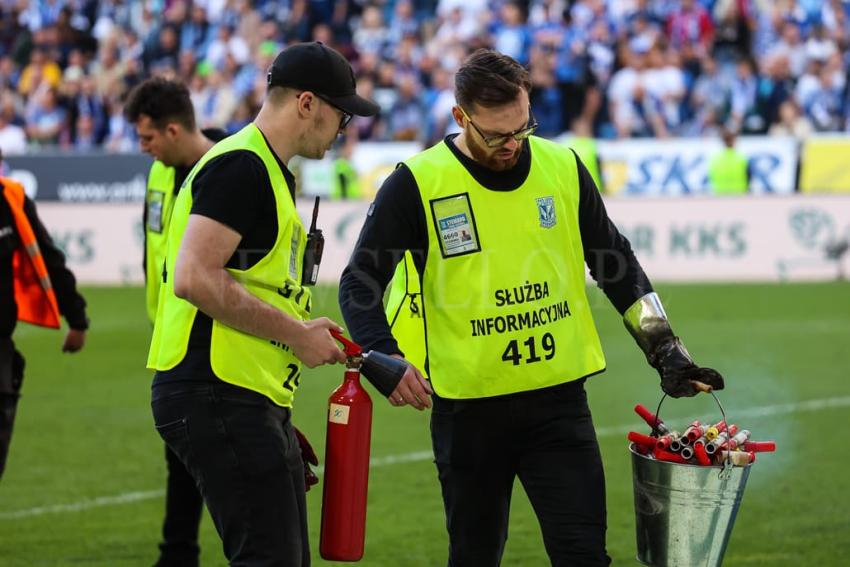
(546, 438)
(243, 455)
(11, 379)
(183, 508)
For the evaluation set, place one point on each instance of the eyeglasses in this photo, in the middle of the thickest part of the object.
(500, 139)
(346, 117)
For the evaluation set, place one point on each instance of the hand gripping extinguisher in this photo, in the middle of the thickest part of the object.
(347, 450)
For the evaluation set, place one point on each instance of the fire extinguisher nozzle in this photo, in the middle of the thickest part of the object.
(383, 371)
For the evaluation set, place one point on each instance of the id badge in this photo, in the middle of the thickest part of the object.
(455, 225)
(155, 203)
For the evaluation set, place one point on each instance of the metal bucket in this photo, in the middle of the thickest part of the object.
(684, 514)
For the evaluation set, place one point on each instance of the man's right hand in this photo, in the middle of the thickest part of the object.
(315, 345)
(412, 389)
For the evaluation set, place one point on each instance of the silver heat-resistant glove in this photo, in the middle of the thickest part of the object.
(680, 376)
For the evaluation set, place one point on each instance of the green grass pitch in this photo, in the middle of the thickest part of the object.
(85, 474)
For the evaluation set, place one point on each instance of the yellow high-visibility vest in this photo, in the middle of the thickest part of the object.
(503, 289)
(159, 201)
(239, 358)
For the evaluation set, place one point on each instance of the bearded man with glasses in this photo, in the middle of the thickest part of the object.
(489, 234)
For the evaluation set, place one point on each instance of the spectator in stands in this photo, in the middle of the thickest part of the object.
(743, 93)
(791, 122)
(120, 135)
(130, 46)
(690, 24)
(439, 102)
(403, 23)
(644, 20)
(371, 36)
(546, 101)
(368, 127)
(247, 21)
(108, 70)
(195, 32)
(824, 103)
(456, 26)
(791, 46)
(45, 118)
(407, 116)
(216, 103)
(775, 86)
(820, 45)
(787, 42)
(733, 36)
(40, 68)
(9, 73)
(635, 110)
(510, 34)
(227, 43)
(85, 135)
(163, 53)
(90, 103)
(665, 81)
(297, 25)
(13, 139)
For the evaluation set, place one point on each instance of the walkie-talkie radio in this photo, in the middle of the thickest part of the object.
(313, 252)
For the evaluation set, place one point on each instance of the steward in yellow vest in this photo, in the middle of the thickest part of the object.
(728, 170)
(232, 325)
(162, 112)
(35, 287)
(499, 228)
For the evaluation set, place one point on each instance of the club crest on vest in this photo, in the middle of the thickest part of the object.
(546, 211)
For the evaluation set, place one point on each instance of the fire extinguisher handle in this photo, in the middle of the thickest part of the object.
(349, 347)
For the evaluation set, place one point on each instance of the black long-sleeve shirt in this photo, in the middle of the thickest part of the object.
(72, 306)
(396, 222)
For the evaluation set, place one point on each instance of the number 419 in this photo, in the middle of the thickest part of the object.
(512, 352)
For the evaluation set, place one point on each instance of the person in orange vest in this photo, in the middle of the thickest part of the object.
(35, 287)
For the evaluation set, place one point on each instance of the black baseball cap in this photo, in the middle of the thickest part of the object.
(316, 67)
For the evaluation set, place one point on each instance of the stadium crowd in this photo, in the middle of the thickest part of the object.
(607, 68)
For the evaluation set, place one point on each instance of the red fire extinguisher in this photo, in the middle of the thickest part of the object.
(346, 463)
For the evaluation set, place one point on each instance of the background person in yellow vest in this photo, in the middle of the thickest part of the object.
(501, 225)
(346, 181)
(35, 287)
(728, 170)
(164, 117)
(232, 325)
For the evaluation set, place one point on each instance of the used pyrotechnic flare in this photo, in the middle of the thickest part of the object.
(720, 441)
(662, 455)
(701, 455)
(651, 419)
(677, 443)
(760, 446)
(642, 440)
(666, 441)
(739, 439)
(692, 433)
(737, 458)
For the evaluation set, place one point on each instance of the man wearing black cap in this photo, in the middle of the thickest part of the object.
(232, 324)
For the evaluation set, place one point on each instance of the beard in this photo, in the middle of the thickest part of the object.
(490, 159)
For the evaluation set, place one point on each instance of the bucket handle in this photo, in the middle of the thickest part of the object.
(726, 471)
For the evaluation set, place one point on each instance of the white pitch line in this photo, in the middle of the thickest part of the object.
(83, 505)
(418, 456)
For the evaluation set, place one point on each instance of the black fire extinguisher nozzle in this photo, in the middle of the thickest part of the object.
(383, 371)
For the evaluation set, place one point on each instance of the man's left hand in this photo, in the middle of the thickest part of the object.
(74, 340)
(308, 455)
(680, 376)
